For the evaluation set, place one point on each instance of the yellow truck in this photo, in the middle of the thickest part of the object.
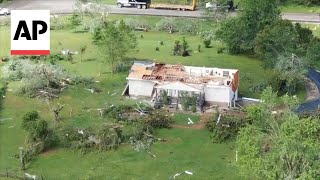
(144, 4)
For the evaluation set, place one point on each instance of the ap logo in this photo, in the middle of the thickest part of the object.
(30, 32)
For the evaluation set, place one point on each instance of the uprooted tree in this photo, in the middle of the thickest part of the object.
(281, 145)
(40, 79)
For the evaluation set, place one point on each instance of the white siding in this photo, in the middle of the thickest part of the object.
(217, 94)
(140, 88)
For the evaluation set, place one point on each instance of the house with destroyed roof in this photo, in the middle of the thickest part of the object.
(214, 85)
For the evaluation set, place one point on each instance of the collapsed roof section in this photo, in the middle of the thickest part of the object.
(164, 73)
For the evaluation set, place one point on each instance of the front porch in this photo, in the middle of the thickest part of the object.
(178, 96)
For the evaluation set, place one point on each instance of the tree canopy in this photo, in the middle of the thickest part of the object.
(115, 42)
(239, 33)
(281, 145)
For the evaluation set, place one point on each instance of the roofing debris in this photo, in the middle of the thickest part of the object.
(172, 73)
(190, 121)
(178, 174)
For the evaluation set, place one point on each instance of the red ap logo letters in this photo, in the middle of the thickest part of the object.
(30, 32)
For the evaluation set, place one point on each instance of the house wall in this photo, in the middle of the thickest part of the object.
(140, 87)
(219, 94)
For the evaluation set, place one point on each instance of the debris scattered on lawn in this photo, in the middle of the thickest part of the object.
(29, 176)
(162, 140)
(11, 127)
(178, 174)
(225, 125)
(151, 154)
(91, 90)
(67, 52)
(274, 112)
(97, 81)
(4, 119)
(81, 131)
(113, 94)
(190, 121)
(219, 119)
(140, 110)
(3, 96)
(94, 139)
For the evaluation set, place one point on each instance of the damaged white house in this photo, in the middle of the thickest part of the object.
(217, 86)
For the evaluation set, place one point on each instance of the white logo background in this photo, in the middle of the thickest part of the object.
(43, 41)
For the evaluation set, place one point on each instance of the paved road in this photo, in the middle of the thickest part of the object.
(67, 6)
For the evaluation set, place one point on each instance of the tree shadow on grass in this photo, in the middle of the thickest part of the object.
(80, 31)
(89, 59)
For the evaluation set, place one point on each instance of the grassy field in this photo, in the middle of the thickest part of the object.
(300, 9)
(182, 118)
(186, 149)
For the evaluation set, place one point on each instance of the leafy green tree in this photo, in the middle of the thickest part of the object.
(181, 49)
(292, 70)
(128, 35)
(313, 52)
(37, 128)
(274, 40)
(115, 43)
(239, 33)
(283, 147)
(305, 37)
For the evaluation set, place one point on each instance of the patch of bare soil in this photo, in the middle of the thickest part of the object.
(205, 117)
(312, 90)
(48, 152)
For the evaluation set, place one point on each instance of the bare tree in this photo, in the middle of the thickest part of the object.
(56, 110)
(167, 24)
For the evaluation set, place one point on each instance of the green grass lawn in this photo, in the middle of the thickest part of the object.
(182, 118)
(315, 28)
(185, 149)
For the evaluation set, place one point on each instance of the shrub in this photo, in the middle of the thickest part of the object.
(137, 24)
(164, 98)
(227, 128)
(75, 19)
(122, 67)
(158, 119)
(194, 108)
(181, 49)
(117, 112)
(157, 49)
(199, 48)
(188, 100)
(161, 43)
(207, 43)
